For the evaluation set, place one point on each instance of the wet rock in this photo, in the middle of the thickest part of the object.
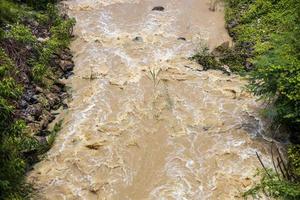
(23, 104)
(66, 55)
(64, 96)
(138, 39)
(225, 45)
(66, 65)
(53, 100)
(181, 38)
(221, 49)
(251, 125)
(42, 140)
(45, 119)
(65, 106)
(232, 24)
(158, 8)
(247, 45)
(94, 146)
(55, 89)
(248, 65)
(39, 89)
(68, 74)
(34, 110)
(43, 133)
(29, 96)
(226, 69)
(246, 182)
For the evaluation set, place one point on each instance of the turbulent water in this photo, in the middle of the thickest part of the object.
(143, 122)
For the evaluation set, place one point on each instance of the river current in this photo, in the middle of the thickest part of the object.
(143, 121)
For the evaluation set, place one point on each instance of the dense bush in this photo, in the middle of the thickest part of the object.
(37, 4)
(22, 52)
(271, 30)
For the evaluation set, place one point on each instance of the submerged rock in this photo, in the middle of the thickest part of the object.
(181, 38)
(158, 8)
(138, 39)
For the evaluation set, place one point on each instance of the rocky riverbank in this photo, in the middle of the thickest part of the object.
(37, 103)
(34, 58)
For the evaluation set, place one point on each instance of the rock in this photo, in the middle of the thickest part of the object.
(94, 146)
(158, 8)
(246, 182)
(42, 140)
(39, 89)
(225, 45)
(248, 66)
(53, 100)
(64, 96)
(221, 49)
(226, 69)
(35, 110)
(181, 38)
(68, 74)
(59, 83)
(46, 118)
(40, 39)
(29, 96)
(66, 65)
(23, 104)
(65, 106)
(66, 55)
(55, 89)
(138, 39)
(232, 24)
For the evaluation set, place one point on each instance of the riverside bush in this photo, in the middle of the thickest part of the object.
(272, 27)
(272, 30)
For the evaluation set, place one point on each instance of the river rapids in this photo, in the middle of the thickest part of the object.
(144, 122)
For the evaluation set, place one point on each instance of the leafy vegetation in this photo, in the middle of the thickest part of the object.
(267, 32)
(271, 28)
(25, 50)
(274, 186)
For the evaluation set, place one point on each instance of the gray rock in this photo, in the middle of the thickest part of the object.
(53, 99)
(34, 110)
(66, 65)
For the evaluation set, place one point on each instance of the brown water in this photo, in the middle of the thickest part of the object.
(143, 123)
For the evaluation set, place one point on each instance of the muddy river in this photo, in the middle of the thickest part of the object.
(143, 122)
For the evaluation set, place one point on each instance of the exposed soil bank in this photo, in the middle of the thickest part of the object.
(144, 123)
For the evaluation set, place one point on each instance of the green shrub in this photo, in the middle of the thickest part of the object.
(11, 135)
(22, 34)
(37, 4)
(273, 186)
(39, 71)
(272, 29)
(10, 12)
(294, 158)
